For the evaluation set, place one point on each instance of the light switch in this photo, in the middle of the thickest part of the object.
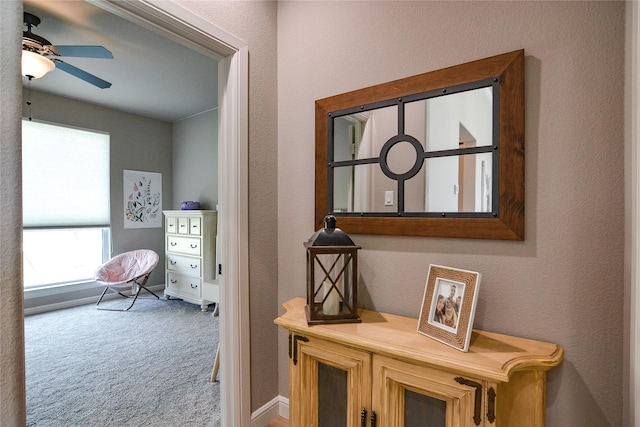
(388, 198)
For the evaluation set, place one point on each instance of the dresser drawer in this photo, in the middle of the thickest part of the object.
(172, 224)
(185, 245)
(190, 287)
(184, 265)
(183, 225)
(195, 226)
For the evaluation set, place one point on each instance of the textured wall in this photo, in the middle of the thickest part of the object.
(564, 283)
(632, 214)
(195, 160)
(12, 395)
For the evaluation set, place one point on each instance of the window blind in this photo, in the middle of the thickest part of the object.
(65, 176)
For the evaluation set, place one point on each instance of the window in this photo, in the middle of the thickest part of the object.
(65, 179)
(62, 256)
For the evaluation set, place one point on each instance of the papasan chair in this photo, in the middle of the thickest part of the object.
(125, 270)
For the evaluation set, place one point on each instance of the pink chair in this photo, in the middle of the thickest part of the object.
(125, 270)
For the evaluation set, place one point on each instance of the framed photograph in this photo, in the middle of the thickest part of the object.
(448, 305)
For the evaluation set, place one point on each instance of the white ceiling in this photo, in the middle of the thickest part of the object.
(150, 74)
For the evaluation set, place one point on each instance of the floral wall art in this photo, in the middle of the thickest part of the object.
(142, 199)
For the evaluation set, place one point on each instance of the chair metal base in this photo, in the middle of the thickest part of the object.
(141, 286)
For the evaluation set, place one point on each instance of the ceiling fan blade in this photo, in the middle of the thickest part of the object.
(83, 51)
(77, 72)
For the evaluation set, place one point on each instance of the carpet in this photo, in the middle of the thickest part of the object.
(150, 366)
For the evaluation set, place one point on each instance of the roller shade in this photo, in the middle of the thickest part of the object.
(65, 176)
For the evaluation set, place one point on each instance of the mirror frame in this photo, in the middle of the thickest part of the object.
(508, 222)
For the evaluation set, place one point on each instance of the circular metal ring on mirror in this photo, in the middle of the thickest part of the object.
(384, 152)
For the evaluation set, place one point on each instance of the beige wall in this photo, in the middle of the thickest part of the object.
(12, 395)
(564, 283)
(632, 214)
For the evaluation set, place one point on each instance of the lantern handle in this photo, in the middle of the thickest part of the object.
(330, 222)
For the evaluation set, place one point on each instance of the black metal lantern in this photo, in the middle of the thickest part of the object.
(332, 276)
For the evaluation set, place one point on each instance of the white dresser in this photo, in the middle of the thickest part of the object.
(190, 253)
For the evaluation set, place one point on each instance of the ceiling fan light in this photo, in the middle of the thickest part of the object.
(35, 65)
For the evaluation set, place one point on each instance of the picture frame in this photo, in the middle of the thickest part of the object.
(449, 305)
(142, 199)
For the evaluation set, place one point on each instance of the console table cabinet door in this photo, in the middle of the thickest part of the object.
(330, 386)
(406, 395)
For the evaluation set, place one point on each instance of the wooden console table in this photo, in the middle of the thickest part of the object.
(383, 373)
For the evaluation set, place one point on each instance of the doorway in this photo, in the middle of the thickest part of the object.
(176, 22)
(180, 24)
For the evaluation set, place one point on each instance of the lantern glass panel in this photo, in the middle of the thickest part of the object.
(332, 280)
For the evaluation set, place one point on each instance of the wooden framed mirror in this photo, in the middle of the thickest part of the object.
(440, 154)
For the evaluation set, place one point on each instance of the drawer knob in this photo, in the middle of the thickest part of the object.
(173, 262)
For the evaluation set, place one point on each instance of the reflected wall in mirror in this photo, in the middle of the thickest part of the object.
(438, 154)
(428, 155)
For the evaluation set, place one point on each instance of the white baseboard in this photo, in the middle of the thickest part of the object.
(278, 406)
(80, 301)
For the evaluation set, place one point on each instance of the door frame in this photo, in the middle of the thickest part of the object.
(181, 25)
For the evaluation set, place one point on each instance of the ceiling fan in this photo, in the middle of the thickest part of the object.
(39, 56)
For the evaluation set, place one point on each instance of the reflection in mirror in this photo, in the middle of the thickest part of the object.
(361, 135)
(437, 154)
(402, 157)
(361, 188)
(459, 183)
(399, 158)
(462, 116)
(364, 188)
